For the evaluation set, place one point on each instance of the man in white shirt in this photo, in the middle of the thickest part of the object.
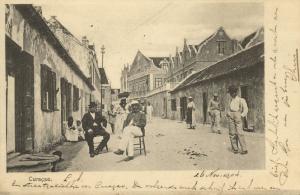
(237, 109)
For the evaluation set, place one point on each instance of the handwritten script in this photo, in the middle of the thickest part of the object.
(75, 181)
(277, 119)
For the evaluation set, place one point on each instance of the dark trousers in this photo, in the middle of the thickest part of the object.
(90, 139)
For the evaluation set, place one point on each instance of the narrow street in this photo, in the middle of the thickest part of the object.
(170, 146)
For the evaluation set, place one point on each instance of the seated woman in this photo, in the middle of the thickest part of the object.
(71, 131)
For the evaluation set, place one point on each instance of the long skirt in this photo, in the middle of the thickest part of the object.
(190, 117)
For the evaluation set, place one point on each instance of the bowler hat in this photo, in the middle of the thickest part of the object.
(92, 105)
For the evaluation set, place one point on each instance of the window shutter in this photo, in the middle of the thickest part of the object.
(43, 87)
(54, 90)
(74, 98)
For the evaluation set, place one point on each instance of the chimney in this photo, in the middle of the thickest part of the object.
(39, 9)
(53, 17)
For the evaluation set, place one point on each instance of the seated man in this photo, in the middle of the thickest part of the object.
(92, 125)
(133, 125)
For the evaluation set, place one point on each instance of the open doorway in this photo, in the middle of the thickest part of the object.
(183, 107)
(204, 106)
(20, 99)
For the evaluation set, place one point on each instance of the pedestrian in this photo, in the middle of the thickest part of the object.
(133, 125)
(215, 113)
(112, 118)
(237, 109)
(149, 111)
(190, 116)
(71, 132)
(120, 118)
(94, 124)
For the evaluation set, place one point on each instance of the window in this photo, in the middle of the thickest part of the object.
(48, 89)
(221, 47)
(158, 82)
(173, 104)
(75, 98)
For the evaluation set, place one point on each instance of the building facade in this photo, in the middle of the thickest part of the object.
(124, 79)
(146, 74)
(44, 83)
(244, 69)
(199, 56)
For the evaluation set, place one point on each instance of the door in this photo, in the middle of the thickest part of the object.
(165, 108)
(204, 106)
(24, 107)
(244, 94)
(63, 104)
(183, 107)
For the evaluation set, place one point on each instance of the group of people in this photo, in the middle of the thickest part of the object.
(74, 132)
(127, 120)
(237, 111)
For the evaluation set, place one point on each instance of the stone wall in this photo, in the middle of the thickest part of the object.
(47, 125)
(252, 77)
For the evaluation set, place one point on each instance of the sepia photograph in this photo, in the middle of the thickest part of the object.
(135, 86)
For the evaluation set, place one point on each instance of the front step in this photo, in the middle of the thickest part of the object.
(40, 162)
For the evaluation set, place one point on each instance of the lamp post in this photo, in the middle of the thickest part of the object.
(102, 54)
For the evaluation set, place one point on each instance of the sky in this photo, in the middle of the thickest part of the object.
(155, 28)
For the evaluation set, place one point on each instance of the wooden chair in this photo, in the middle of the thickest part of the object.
(96, 143)
(141, 146)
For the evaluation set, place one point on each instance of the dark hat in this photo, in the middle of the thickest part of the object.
(92, 105)
(232, 89)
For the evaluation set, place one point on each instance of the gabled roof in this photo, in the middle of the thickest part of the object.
(248, 40)
(104, 79)
(157, 61)
(240, 60)
(53, 22)
(192, 49)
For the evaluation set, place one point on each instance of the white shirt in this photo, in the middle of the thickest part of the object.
(93, 115)
(238, 104)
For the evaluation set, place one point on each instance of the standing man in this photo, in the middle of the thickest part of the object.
(112, 118)
(215, 114)
(94, 124)
(237, 109)
(149, 111)
(133, 126)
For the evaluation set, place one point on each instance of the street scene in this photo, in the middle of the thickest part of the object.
(168, 149)
(150, 90)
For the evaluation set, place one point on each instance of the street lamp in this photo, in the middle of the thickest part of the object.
(102, 54)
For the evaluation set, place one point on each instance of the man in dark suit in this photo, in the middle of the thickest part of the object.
(94, 124)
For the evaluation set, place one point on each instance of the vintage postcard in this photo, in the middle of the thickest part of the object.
(150, 97)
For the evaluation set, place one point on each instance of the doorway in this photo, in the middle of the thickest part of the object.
(20, 99)
(65, 103)
(244, 94)
(204, 106)
(165, 107)
(183, 107)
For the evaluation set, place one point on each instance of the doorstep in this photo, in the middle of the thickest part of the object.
(39, 162)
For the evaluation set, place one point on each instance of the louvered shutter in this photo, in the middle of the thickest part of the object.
(43, 87)
(54, 90)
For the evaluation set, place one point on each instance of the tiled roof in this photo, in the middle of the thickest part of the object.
(240, 60)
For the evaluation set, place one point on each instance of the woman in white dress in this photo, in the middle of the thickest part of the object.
(71, 132)
(120, 118)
